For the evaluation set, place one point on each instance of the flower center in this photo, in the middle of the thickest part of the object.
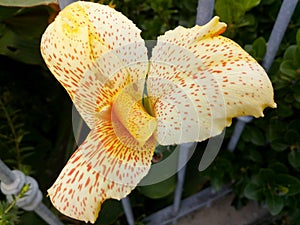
(133, 116)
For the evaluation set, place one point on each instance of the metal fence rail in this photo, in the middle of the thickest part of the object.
(11, 184)
(12, 181)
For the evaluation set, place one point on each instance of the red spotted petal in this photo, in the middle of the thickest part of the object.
(104, 166)
(199, 81)
(86, 33)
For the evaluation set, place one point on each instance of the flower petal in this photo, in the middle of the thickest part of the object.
(199, 81)
(104, 166)
(82, 33)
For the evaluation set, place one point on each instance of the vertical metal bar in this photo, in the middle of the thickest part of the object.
(282, 21)
(64, 3)
(283, 18)
(238, 129)
(128, 210)
(205, 11)
(184, 153)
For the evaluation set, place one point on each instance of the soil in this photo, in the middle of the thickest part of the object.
(222, 213)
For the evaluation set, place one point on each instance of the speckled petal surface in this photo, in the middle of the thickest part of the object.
(85, 33)
(199, 81)
(104, 166)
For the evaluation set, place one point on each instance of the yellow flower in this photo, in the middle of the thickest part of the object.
(196, 81)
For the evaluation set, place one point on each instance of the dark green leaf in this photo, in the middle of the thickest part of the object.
(253, 191)
(232, 11)
(290, 183)
(283, 110)
(295, 125)
(296, 90)
(255, 156)
(229, 11)
(7, 12)
(279, 144)
(290, 53)
(294, 158)
(298, 38)
(110, 211)
(260, 48)
(249, 4)
(274, 202)
(247, 20)
(278, 167)
(26, 3)
(159, 190)
(20, 48)
(288, 68)
(291, 136)
(257, 136)
(266, 176)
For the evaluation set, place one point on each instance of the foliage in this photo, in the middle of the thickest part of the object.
(9, 214)
(8, 217)
(26, 3)
(35, 112)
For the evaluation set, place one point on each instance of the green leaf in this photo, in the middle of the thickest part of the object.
(297, 59)
(255, 156)
(229, 11)
(290, 52)
(298, 38)
(26, 3)
(291, 136)
(249, 4)
(296, 92)
(283, 110)
(7, 12)
(159, 190)
(295, 125)
(278, 167)
(20, 48)
(290, 183)
(288, 68)
(219, 171)
(232, 11)
(279, 145)
(266, 176)
(247, 20)
(255, 135)
(260, 48)
(258, 138)
(20, 40)
(294, 158)
(274, 202)
(253, 191)
(110, 211)
(274, 129)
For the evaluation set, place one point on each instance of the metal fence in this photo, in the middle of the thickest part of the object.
(13, 181)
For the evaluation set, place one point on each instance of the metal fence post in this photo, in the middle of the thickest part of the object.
(205, 11)
(128, 210)
(64, 3)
